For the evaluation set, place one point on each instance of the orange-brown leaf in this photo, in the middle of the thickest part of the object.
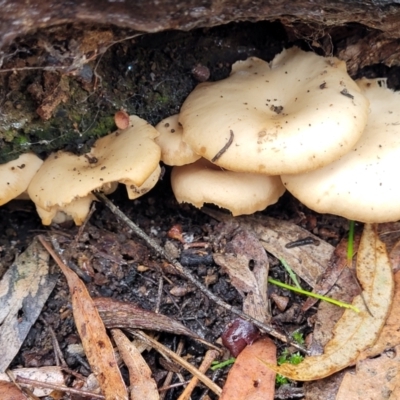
(8, 391)
(142, 385)
(97, 345)
(249, 378)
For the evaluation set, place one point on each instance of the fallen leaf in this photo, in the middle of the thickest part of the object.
(390, 335)
(308, 262)
(24, 289)
(142, 385)
(323, 389)
(97, 345)
(52, 375)
(328, 315)
(335, 267)
(241, 252)
(355, 331)
(120, 314)
(372, 379)
(249, 379)
(8, 391)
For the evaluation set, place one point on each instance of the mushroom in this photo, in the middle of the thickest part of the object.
(240, 192)
(16, 176)
(362, 185)
(296, 114)
(174, 151)
(130, 156)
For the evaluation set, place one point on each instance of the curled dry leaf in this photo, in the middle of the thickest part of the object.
(355, 331)
(390, 335)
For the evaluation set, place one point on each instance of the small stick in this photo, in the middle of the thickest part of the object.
(225, 148)
(178, 266)
(210, 356)
(165, 350)
(46, 385)
(168, 378)
(302, 242)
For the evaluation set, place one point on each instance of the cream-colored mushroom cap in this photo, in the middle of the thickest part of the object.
(129, 155)
(298, 113)
(77, 211)
(135, 191)
(174, 151)
(16, 176)
(240, 192)
(363, 184)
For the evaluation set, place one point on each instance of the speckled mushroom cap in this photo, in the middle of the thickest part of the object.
(298, 113)
(16, 176)
(363, 184)
(240, 192)
(174, 151)
(129, 155)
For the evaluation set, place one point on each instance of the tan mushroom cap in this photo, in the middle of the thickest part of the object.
(174, 151)
(135, 191)
(240, 192)
(77, 210)
(298, 113)
(129, 155)
(363, 184)
(16, 176)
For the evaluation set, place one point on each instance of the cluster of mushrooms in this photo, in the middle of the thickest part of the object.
(298, 123)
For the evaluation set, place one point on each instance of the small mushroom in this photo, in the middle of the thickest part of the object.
(16, 176)
(129, 156)
(296, 114)
(174, 151)
(362, 185)
(240, 192)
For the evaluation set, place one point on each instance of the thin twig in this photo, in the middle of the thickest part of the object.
(165, 350)
(178, 266)
(170, 375)
(225, 148)
(210, 356)
(61, 388)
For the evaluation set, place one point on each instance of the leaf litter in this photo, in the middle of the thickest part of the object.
(97, 345)
(24, 289)
(355, 331)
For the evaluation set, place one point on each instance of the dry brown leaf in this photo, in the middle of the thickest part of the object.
(335, 267)
(8, 391)
(142, 385)
(53, 375)
(373, 379)
(97, 345)
(249, 379)
(120, 314)
(390, 335)
(308, 262)
(355, 331)
(24, 289)
(328, 315)
(244, 248)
